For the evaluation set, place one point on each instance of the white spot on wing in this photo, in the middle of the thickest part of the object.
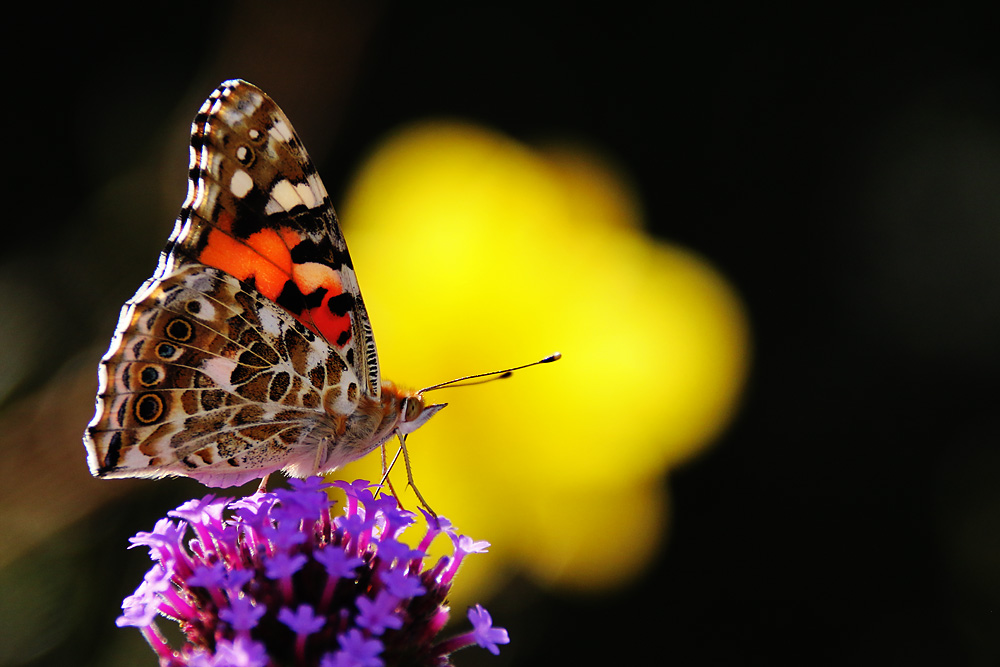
(284, 197)
(316, 185)
(341, 406)
(269, 322)
(310, 276)
(281, 131)
(220, 369)
(240, 184)
(315, 356)
(206, 311)
(306, 194)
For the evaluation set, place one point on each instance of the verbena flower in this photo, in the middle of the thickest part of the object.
(274, 579)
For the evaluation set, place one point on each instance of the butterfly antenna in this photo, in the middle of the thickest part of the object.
(492, 375)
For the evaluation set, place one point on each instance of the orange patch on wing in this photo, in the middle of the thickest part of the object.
(263, 256)
(309, 278)
(331, 326)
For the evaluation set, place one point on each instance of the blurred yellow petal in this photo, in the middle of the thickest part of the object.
(564, 550)
(475, 252)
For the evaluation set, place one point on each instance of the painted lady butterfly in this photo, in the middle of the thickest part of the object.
(249, 350)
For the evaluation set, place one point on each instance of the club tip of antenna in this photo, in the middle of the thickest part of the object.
(555, 356)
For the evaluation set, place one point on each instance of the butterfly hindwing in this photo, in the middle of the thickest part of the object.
(211, 379)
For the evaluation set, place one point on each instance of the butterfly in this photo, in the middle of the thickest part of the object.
(249, 350)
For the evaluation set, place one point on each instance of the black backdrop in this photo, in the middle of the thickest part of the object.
(840, 166)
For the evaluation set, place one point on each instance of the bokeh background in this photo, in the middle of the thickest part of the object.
(766, 237)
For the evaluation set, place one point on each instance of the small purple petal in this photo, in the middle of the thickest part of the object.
(281, 565)
(208, 576)
(486, 635)
(435, 526)
(200, 658)
(310, 484)
(224, 535)
(253, 514)
(390, 550)
(394, 520)
(165, 530)
(205, 510)
(437, 523)
(235, 580)
(241, 652)
(203, 516)
(355, 651)
(303, 621)
(353, 525)
(253, 509)
(159, 577)
(285, 535)
(164, 541)
(140, 609)
(384, 503)
(308, 495)
(378, 615)
(337, 563)
(355, 489)
(357, 528)
(401, 584)
(465, 544)
(242, 614)
(357, 493)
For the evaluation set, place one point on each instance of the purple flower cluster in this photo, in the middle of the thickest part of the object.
(274, 579)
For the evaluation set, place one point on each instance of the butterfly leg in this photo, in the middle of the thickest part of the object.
(409, 475)
(385, 476)
(262, 488)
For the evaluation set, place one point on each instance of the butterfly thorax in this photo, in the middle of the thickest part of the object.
(371, 423)
(374, 421)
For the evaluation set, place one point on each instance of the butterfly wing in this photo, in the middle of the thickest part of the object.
(249, 349)
(257, 209)
(209, 379)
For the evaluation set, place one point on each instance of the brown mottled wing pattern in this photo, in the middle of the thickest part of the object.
(208, 379)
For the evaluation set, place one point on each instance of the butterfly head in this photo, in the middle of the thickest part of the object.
(414, 413)
(405, 410)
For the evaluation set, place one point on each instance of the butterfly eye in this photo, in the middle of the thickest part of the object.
(412, 407)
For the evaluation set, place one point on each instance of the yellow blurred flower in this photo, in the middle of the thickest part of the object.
(475, 252)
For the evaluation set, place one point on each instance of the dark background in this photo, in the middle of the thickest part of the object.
(841, 167)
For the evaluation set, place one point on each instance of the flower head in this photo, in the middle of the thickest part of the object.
(272, 579)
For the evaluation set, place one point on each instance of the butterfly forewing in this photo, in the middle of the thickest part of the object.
(257, 209)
